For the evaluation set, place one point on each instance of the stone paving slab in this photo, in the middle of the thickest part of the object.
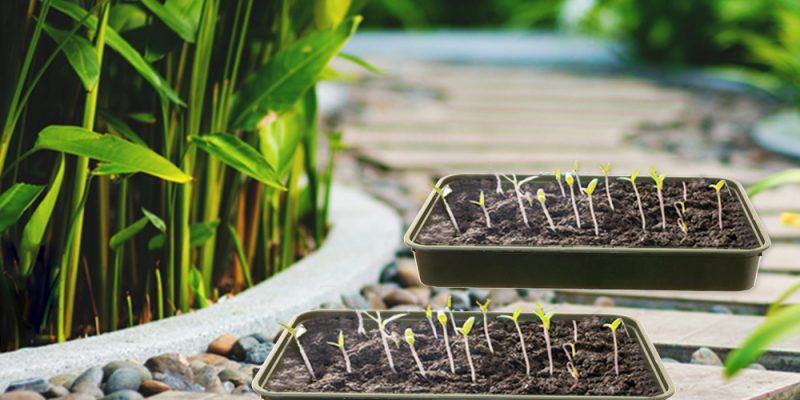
(782, 257)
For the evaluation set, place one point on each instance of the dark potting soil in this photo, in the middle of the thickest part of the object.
(621, 227)
(500, 373)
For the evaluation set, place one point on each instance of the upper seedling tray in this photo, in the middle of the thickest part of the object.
(622, 255)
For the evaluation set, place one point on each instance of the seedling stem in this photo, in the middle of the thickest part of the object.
(295, 333)
(659, 180)
(339, 344)
(385, 336)
(484, 308)
(443, 321)
(443, 193)
(429, 316)
(606, 170)
(482, 204)
(545, 318)
(589, 190)
(577, 176)
(575, 331)
(409, 334)
(464, 331)
(613, 326)
(450, 311)
(542, 199)
(499, 189)
(718, 188)
(632, 180)
(517, 189)
(570, 182)
(560, 185)
(361, 331)
(515, 319)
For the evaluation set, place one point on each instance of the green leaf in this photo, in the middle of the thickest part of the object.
(119, 126)
(80, 54)
(121, 46)
(517, 312)
(181, 23)
(239, 155)
(467, 327)
(782, 324)
(361, 63)
(155, 220)
(282, 81)
(775, 180)
(105, 169)
(14, 202)
(199, 290)
(34, 230)
(82, 142)
(288, 328)
(440, 315)
(237, 244)
(199, 233)
(280, 137)
(589, 189)
(329, 13)
(127, 233)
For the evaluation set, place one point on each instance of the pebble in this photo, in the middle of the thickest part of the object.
(407, 274)
(381, 289)
(113, 366)
(79, 396)
(238, 378)
(152, 387)
(705, 356)
(123, 379)
(355, 301)
(398, 297)
(460, 300)
(222, 345)
(375, 301)
(422, 293)
(504, 296)
(604, 301)
(88, 389)
(124, 395)
(172, 369)
(93, 376)
(243, 346)
(209, 358)
(21, 395)
(720, 309)
(259, 353)
(65, 380)
(262, 338)
(244, 390)
(208, 379)
(38, 385)
(56, 391)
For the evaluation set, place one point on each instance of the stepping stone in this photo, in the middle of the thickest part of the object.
(777, 230)
(781, 257)
(704, 382)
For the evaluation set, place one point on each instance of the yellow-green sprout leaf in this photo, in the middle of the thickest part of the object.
(718, 186)
(575, 165)
(526, 180)
(558, 174)
(572, 347)
(589, 189)
(606, 169)
(780, 325)
(428, 312)
(341, 339)
(441, 317)
(683, 206)
(393, 317)
(569, 179)
(482, 200)
(573, 371)
(409, 334)
(444, 192)
(288, 328)
(541, 196)
(467, 327)
(517, 312)
(545, 317)
(485, 306)
(614, 325)
(449, 302)
(659, 179)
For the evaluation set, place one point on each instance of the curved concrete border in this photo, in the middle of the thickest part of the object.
(364, 238)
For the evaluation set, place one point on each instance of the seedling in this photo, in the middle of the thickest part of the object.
(517, 189)
(575, 331)
(443, 320)
(577, 177)
(589, 190)
(484, 308)
(499, 189)
(571, 352)
(464, 331)
(659, 180)
(296, 333)
(632, 180)
(482, 204)
(515, 319)
(542, 199)
(573, 371)
(450, 311)
(361, 331)
(613, 326)
(409, 334)
(385, 336)
(429, 316)
(443, 193)
(560, 185)
(570, 182)
(545, 318)
(680, 208)
(685, 192)
(339, 344)
(605, 170)
(717, 188)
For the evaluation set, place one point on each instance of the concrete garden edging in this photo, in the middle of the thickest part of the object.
(364, 238)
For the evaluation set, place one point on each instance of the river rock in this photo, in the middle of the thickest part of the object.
(93, 376)
(237, 377)
(422, 293)
(407, 274)
(388, 273)
(243, 346)
(21, 395)
(222, 345)
(375, 301)
(124, 395)
(113, 366)
(705, 356)
(172, 369)
(209, 358)
(65, 380)
(152, 387)
(604, 301)
(56, 391)
(79, 396)
(38, 385)
(88, 389)
(208, 379)
(398, 297)
(501, 297)
(355, 301)
(123, 379)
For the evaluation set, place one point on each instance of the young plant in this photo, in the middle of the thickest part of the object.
(339, 344)
(589, 190)
(443, 193)
(542, 199)
(484, 308)
(718, 188)
(659, 180)
(515, 319)
(296, 333)
(632, 180)
(680, 208)
(685, 192)
(613, 326)
(517, 190)
(499, 189)
(560, 185)
(450, 311)
(571, 352)
(384, 335)
(409, 335)
(545, 318)
(606, 170)
(443, 320)
(577, 177)
(429, 316)
(361, 331)
(575, 331)
(482, 204)
(570, 182)
(464, 331)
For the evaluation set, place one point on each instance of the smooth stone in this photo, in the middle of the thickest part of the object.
(208, 358)
(705, 356)
(375, 301)
(604, 301)
(243, 346)
(152, 387)
(249, 370)
(65, 380)
(79, 396)
(172, 369)
(38, 385)
(259, 353)
(407, 274)
(244, 390)
(113, 366)
(503, 297)
(123, 379)
(88, 389)
(222, 345)
(124, 395)
(422, 293)
(197, 365)
(479, 295)
(262, 338)
(406, 307)
(398, 297)
(355, 301)
(228, 386)
(237, 377)
(388, 273)
(208, 379)
(460, 300)
(21, 395)
(381, 289)
(56, 391)
(93, 375)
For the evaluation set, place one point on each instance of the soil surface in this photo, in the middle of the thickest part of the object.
(500, 373)
(621, 227)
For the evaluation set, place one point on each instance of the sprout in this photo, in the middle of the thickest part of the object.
(482, 204)
(575, 331)
(384, 336)
(681, 220)
(517, 185)
(613, 326)
(605, 170)
(717, 188)
(450, 311)
(340, 345)
(429, 316)
(515, 318)
(443, 193)
(464, 331)
(542, 199)
(296, 333)
(560, 185)
(409, 334)
(570, 182)
(499, 189)
(572, 370)
(659, 180)
(539, 311)
(484, 308)
(632, 180)
(443, 320)
(577, 177)
(589, 190)
(361, 331)
(571, 352)
(685, 192)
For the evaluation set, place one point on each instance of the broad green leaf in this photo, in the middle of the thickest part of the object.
(199, 290)
(330, 13)
(237, 244)
(119, 126)
(361, 63)
(180, 22)
(105, 169)
(239, 155)
(34, 230)
(467, 327)
(127, 233)
(282, 81)
(199, 233)
(775, 180)
(83, 142)
(280, 138)
(780, 325)
(14, 202)
(80, 54)
(155, 220)
(121, 46)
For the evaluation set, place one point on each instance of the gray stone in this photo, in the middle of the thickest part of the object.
(80, 396)
(237, 377)
(501, 297)
(720, 309)
(228, 386)
(124, 395)
(38, 385)
(243, 346)
(604, 301)
(171, 369)
(398, 297)
(93, 375)
(388, 273)
(21, 395)
(262, 338)
(259, 353)
(208, 379)
(109, 368)
(380, 289)
(124, 379)
(65, 380)
(355, 301)
(89, 389)
(56, 391)
(705, 356)
(244, 390)
(152, 387)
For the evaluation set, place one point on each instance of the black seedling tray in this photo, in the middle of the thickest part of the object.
(588, 267)
(634, 329)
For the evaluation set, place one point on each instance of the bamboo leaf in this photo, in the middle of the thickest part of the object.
(105, 169)
(780, 325)
(155, 220)
(282, 81)
(82, 142)
(361, 63)
(240, 254)
(127, 233)
(34, 230)
(119, 126)
(199, 290)
(775, 180)
(199, 233)
(280, 137)
(80, 54)
(239, 155)
(180, 21)
(14, 202)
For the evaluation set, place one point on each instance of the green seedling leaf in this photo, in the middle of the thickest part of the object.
(155, 220)
(14, 202)
(606, 169)
(34, 230)
(428, 313)
(288, 328)
(467, 327)
(614, 325)
(127, 233)
(409, 335)
(575, 165)
(782, 324)
(541, 196)
(569, 179)
(341, 339)
(131, 156)
(558, 174)
(485, 306)
(589, 189)
(179, 22)
(572, 347)
(544, 317)
(718, 186)
(449, 302)
(393, 318)
(440, 315)
(240, 156)
(80, 54)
